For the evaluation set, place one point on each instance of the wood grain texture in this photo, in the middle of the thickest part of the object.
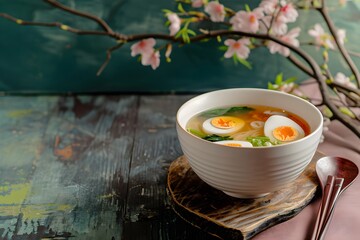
(233, 218)
(155, 147)
(89, 167)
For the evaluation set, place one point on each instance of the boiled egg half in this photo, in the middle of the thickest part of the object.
(223, 125)
(234, 143)
(282, 129)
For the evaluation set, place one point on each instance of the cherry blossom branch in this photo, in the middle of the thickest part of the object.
(353, 99)
(100, 21)
(322, 86)
(323, 11)
(351, 53)
(301, 66)
(346, 90)
(312, 70)
(57, 25)
(344, 87)
(108, 57)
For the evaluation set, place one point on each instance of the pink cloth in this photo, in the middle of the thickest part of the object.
(345, 224)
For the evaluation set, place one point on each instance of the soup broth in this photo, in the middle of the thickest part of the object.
(238, 126)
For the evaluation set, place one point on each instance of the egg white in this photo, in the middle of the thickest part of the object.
(242, 143)
(210, 129)
(276, 121)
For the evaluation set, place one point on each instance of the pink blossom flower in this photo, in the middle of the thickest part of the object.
(278, 14)
(278, 25)
(287, 87)
(247, 21)
(321, 38)
(145, 46)
(289, 38)
(288, 12)
(290, 88)
(152, 59)
(148, 54)
(197, 3)
(175, 23)
(216, 11)
(239, 47)
(280, 8)
(342, 79)
(269, 6)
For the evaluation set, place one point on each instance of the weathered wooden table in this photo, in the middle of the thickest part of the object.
(95, 167)
(89, 167)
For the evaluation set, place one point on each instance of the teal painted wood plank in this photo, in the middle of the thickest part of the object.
(89, 167)
(80, 182)
(156, 146)
(23, 121)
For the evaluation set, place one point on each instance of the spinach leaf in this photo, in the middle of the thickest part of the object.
(224, 111)
(211, 138)
(215, 112)
(216, 138)
(239, 110)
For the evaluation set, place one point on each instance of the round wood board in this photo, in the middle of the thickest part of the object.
(232, 218)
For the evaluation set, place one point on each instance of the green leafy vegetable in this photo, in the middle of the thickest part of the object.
(261, 141)
(216, 138)
(211, 138)
(196, 133)
(224, 111)
(239, 110)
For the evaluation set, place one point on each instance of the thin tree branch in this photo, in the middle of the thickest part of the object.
(347, 88)
(108, 57)
(323, 11)
(60, 25)
(355, 54)
(313, 70)
(353, 99)
(300, 65)
(100, 21)
(308, 59)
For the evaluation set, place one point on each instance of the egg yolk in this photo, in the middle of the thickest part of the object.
(285, 133)
(233, 144)
(225, 122)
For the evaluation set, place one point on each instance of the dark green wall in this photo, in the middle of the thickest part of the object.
(47, 60)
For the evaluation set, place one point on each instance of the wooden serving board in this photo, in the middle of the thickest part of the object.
(234, 218)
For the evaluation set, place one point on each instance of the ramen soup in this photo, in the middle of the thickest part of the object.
(248, 126)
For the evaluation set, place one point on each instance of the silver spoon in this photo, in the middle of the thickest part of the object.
(335, 175)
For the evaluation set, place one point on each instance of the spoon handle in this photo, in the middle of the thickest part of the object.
(334, 196)
(323, 207)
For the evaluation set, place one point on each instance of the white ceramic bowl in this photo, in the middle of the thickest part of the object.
(248, 172)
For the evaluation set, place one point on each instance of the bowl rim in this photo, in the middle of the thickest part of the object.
(299, 141)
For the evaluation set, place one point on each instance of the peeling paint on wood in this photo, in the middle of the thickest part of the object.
(89, 167)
